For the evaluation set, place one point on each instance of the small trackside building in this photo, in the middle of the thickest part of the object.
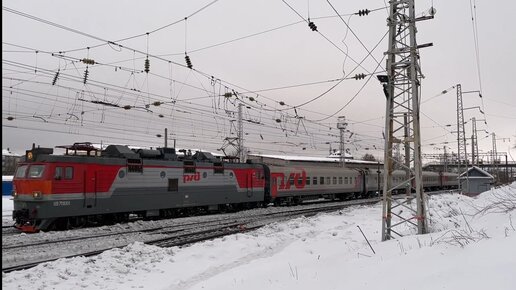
(475, 181)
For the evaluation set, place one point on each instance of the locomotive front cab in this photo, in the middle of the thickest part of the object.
(32, 182)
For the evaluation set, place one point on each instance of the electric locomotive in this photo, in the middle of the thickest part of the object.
(85, 186)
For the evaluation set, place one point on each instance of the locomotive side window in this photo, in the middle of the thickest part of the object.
(36, 171)
(218, 168)
(69, 173)
(21, 171)
(315, 180)
(188, 166)
(134, 165)
(291, 180)
(58, 175)
(307, 180)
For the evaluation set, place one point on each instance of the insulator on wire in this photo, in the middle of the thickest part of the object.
(147, 65)
(363, 12)
(228, 95)
(156, 103)
(88, 61)
(278, 120)
(127, 107)
(188, 62)
(282, 103)
(55, 78)
(86, 73)
(359, 76)
(312, 25)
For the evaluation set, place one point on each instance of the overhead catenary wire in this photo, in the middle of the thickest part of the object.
(353, 32)
(209, 76)
(325, 37)
(54, 71)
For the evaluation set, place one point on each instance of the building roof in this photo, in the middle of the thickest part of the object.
(483, 173)
(7, 178)
(6, 152)
(313, 159)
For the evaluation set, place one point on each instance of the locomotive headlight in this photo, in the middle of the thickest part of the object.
(36, 194)
(14, 193)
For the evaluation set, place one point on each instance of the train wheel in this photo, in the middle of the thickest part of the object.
(77, 222)
(60, 224)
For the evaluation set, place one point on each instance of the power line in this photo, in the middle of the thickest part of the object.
(325, 37)
(349, 28)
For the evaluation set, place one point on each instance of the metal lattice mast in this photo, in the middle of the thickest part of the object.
(341, 125)
(495, 156)
(462, 154)
(445, 157)
(474, 142)
(240, 135)
(235, 143)
(402, 120)
(461, 134)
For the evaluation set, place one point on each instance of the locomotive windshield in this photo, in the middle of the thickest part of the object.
(21, 171)
(36, 171)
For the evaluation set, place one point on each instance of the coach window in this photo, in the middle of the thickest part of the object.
(314, 180)
(346, 180)
(308, 180)
(291, 180)
(328, 180)
(340, 179)
(59, 173)
(69, 173)
(322, 180)
(334, 180)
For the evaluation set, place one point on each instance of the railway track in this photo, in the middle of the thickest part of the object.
(24, 255)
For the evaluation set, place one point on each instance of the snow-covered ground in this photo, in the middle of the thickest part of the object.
(472, 246)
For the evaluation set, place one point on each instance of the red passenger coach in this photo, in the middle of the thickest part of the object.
(294, 184)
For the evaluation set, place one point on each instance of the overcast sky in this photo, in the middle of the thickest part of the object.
(251, 49)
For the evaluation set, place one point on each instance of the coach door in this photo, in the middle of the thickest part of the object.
(277, 179)
(364, 179)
